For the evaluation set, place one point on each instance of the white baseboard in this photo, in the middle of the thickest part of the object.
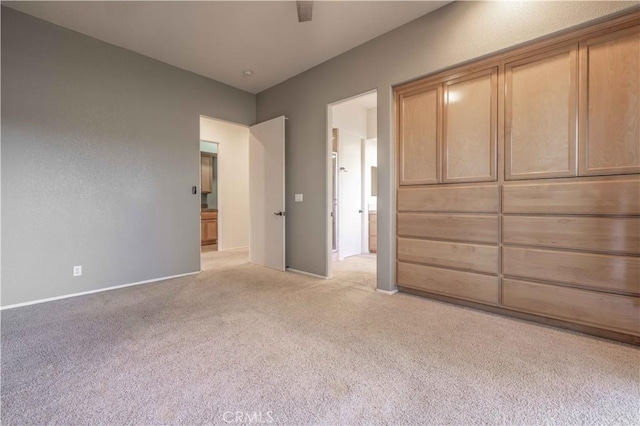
(306, 273)
(387, 292)
(100, 290)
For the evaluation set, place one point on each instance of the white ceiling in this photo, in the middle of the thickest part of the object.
(366, 101)
(221, 39)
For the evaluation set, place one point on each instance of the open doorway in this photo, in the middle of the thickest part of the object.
(209, 196)
(244, 208)
(224, 191)
(353, 196)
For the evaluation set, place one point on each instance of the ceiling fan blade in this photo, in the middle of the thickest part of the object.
(305, 10)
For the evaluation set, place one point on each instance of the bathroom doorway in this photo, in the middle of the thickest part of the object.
(353, 189)
(208, 196)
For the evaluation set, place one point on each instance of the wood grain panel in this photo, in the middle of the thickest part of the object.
(611, 311)
(621, 234)
(206, 173)
(619, 197)
(480, 229)
(471, 199)
(468, 257)
(419, 138)
(470, 127)
(541, 111)
(373, 232)
(599, 271)
(465, 285)
(610, 108)
(209, 215)
(211, 229)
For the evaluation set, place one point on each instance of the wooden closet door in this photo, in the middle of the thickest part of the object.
(419, 134)
(610, 103)
(541, 109)
(470, 124)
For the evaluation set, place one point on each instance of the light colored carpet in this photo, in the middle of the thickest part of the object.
(356, 271)
(299, 350)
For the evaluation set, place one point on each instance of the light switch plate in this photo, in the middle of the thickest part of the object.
(299, 198)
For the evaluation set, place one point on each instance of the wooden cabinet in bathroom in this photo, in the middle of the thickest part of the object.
(209, 227)
(206, 173)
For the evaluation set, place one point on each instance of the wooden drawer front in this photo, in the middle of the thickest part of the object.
(610, 311)
(468, 257)
(480, 229)
(464, 285)
(208, 215)
(600, 271)
(611, 234)
(618, 197)
(471, 199)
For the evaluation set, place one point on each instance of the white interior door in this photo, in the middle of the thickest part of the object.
(349, 195)
(266, 194)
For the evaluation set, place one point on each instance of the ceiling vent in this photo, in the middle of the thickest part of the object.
(305, 10)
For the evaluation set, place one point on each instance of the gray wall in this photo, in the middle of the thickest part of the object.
(454, 34)
(100, 148)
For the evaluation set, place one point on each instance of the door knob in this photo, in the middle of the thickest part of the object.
(279, 213)
(360, 211)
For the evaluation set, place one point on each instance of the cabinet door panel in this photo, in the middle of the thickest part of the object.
(470, 123)
(212, 230)
(419, 137)
(206, 172)
(540, 115)
(610, 104)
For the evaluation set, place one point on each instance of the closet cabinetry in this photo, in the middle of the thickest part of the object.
(518, 185)
(448, 131)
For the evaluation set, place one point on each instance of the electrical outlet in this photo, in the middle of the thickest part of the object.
(77, 271)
